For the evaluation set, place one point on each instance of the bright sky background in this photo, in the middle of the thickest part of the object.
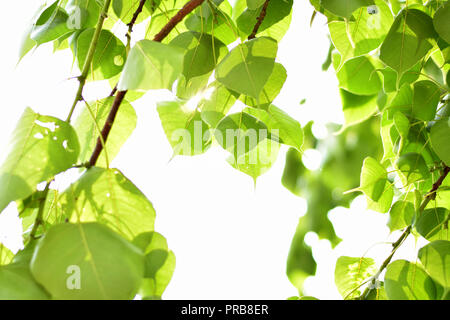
(230, 240)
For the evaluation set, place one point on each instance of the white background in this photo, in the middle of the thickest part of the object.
(230, 239)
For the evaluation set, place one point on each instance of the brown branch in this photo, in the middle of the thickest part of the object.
(133, 20)
(188, 8)
(430, 196)
(259, 20)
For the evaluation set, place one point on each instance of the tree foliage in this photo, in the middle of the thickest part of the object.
(391, 59)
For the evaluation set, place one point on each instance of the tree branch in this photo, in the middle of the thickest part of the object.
(90, 56)
(259, 20)
(430, 196)
(133, 21)
(188, 8)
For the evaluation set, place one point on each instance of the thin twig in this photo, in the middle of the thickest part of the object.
(259, 20)
(133, 21)
(188, 8)
(38, 221)
(430, 196)
(90, 56)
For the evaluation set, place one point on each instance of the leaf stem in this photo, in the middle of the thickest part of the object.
(430, 196)
(132, 22)
(259, 20)
(90, 56)
(120, 95)
(40, 214)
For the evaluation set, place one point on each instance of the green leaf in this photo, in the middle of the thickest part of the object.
(83, 13)
(29, 208)
(408, 40)
(187, 89)
(159, 264)
(408, 281)
(187, 133)
(435, 257)
(50, 25)
(271, 89)
(158, 21)
(109, 56)
(88, 134)
(359, 36)
(439, 135)
(425, 100)
(220, 25)
(376, 187)
(239, 133)
(255, 4)
(202, 52)
(345, 8)
(402, 101)
(389, 136)
(247, 68)
(441, 22)
(125, 9)
(357, 108)
(41, 147)
(275, 23)
(97, 264)
(432, 224)
(358, 76)
(151, 65)
(17, 283)
(300, 262)
(282, 127)
(413, 166)
(377, 293)
(390, 77)
(6, 256)
(400, 215)
(215, 108)
(108, 197)
(258, 160)
(352, 272)
(401, 124)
